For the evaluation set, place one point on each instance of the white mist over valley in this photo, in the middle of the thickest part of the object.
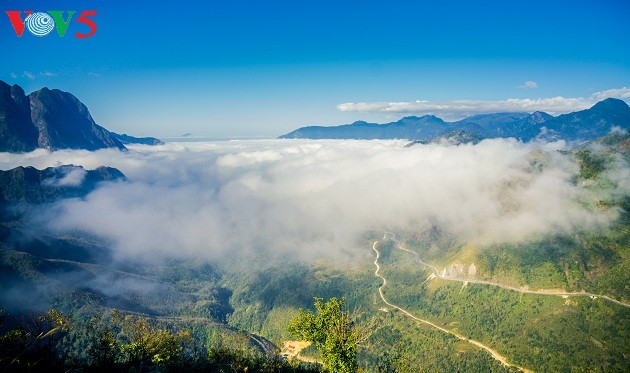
(314, 199)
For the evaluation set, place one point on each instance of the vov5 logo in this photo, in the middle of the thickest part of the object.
(42, 24)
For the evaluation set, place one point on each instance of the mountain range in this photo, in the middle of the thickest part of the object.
(52, 119)
(30, 185)
(582, 125)
(127, 139)
(24, 189)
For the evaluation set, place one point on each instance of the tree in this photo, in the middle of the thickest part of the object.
(333, 331)
(143, 343)
(32, 345)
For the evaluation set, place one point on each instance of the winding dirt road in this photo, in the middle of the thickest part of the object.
(492, 352)
(437, 274)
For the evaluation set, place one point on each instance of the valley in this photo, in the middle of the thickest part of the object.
(492, 352)
(315, 187)
(200, 254)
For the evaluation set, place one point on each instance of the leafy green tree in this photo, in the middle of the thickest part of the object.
(146, 344)
(333, 331)
(32, 346)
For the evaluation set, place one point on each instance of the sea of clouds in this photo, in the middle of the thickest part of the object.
(313, 199)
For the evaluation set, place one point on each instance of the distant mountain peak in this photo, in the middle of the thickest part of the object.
(424, 118)
(17, 132)
(581, 125)
(48, 118)
(127, 139)
(30, 185)
(64, 122)
(610, 104)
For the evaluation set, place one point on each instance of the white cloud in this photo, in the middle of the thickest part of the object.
(313, 199)
(462, 108)
(69, 177)
(29, 75)
(618, 130)
(530, 84)
(616, 93)
(33, 76)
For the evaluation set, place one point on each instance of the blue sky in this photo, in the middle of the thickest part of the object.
(248, 69)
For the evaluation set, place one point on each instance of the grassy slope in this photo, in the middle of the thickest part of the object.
(541, 333)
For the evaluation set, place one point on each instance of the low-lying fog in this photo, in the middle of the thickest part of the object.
(314, 198)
